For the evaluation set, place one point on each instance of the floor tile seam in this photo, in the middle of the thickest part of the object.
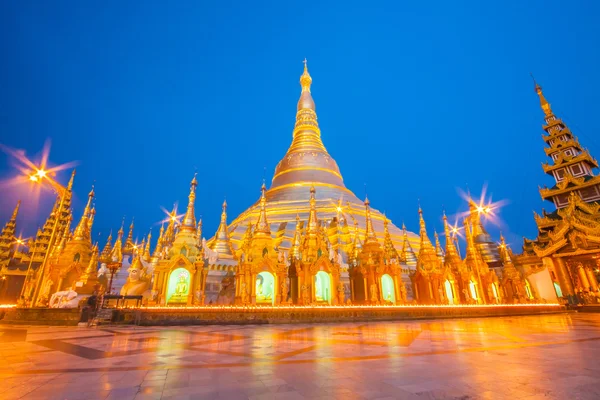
(327, 360)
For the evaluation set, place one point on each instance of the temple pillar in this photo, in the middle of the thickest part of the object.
(585, 283)
(192, 289)
(397, 295)
(592, 279)
(564, 278)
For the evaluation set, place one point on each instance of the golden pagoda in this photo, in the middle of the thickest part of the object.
(307, 163)
(178, 274)
(568, 241)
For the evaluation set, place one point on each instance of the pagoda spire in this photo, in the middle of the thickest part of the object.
(262, 225)
(296, 166)
(313, 222)
(388, 245)
(63, 238)
(222, 243)
(543, 102)
(128, 247)
(105, 255)
(159, 244)
(116, 254)
(450, 247)
(82, 231)
(407, 254)
(147, 253)
(425, 242)
(571, 165)
(296, 241)
(369, 231)
(8, 234)
(189, 220)
(438, 247)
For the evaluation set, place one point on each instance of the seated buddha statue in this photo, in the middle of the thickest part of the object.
(136, 283)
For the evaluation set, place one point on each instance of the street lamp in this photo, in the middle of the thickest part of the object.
(40, 176)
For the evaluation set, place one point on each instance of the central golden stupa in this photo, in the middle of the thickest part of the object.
(307, 163)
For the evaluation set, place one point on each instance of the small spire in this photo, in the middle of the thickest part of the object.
(407, 255)
(189, 220)
(295, 253)
(70, 184)
(199, 231)
(438, 246)
(543, 102)
(222, 243)
(312, 214)
(369, 231)
(450, 247)
(82, 231)
(262, 225)
(147, 253)
(105, 256)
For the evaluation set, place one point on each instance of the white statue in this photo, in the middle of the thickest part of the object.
(64, 299)
(103, 270)
(212, 255)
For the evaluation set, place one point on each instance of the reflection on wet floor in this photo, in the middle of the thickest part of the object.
(547, 356)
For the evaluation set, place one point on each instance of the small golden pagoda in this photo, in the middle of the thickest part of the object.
(568, 241)
(433, 280)
(69, 259)
(179, 276)
(465, 280)
(314, 268)
(486, 289)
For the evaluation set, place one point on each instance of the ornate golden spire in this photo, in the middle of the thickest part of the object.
(105, 256)
(307, 159)
(222, 242)
(116, 254)
(407, 254)
(473, 258)
(8, 233)
(388, 245)
(427, 257)
(82, 231)
(70, 184)
(169, 233)
(92, 216)
(262, 225)
(543, 102)
(147, 256)
(128, 248)
(61, 241)
(450, 247)
(438, 247)
(159, 244)
(369, 231)
(296, 241)
(92, 266)
(189, 220)
(313, 221)
(425, 242)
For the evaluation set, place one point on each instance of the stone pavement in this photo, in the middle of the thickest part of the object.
(536, 357)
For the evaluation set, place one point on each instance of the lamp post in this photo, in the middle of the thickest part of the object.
(113, 268)
(38, 177)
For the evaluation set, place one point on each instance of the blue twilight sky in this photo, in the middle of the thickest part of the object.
(416, 99)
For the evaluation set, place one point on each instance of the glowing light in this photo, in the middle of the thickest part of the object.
(34, 178)
(41, 173)
(339, 209)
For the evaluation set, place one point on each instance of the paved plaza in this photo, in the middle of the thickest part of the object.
(538, 357)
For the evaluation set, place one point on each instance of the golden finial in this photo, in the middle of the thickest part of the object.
(189, 219)
(305, 79)
(369, 231)
(543, 102)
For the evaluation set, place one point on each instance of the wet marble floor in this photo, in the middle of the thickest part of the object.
(536, 357)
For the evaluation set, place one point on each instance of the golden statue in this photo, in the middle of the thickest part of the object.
(137, 283)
